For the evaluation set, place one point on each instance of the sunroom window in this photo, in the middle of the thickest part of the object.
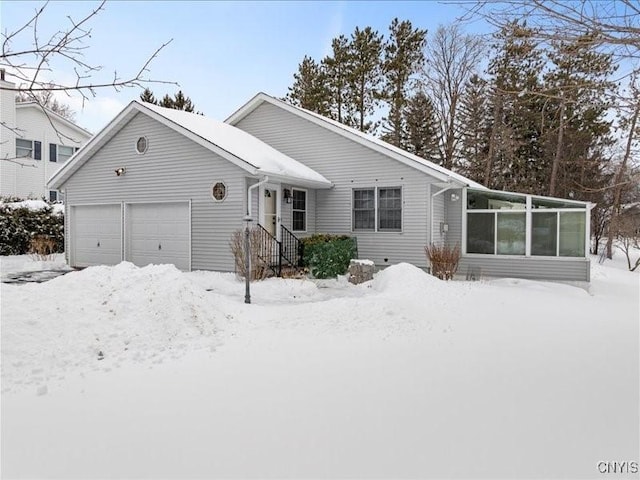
(501, 223)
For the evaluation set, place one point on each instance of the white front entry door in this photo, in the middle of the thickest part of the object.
(270, 220)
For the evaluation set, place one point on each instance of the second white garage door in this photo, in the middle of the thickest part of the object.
(158, 233)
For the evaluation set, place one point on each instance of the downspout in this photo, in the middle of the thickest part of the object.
(434, 196)
(248, 218)
(247, 243)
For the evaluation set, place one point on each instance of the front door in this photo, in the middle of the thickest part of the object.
(270, 210)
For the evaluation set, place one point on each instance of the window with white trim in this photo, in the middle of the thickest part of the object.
(377, 209)
(28, 149)
(299, 210)
(389, 209)
(501, 223)
(60, 153)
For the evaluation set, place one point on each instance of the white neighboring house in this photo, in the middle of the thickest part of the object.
(33, 145)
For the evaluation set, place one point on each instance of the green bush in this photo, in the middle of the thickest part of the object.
(18, 226)
(328, 256)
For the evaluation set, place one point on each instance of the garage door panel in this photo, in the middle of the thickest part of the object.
(96, 235)
(152, 225)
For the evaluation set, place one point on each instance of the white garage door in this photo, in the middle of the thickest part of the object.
(158, 233)
(96, 235)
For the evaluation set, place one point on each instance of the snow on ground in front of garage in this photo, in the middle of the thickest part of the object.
(154, 373)
(11, 264)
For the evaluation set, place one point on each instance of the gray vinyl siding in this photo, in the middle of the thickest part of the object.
(287, 209)
(350, 165)
(524, 267)
(173, 169)
(438, 238)
(453, 214)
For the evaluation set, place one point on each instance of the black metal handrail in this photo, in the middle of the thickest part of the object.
(274, 253)
(291, 247)
(269, 250)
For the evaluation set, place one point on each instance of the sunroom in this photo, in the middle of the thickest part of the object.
(528, 236)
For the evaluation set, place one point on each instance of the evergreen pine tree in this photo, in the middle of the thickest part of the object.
(579, 91)
(364, 76)
(309, 89)
(336, 68)
(518, 112)
(475, 128)
(148, 97)
(403, 57)
(421, 126)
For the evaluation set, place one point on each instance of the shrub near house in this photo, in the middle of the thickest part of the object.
(21, 222)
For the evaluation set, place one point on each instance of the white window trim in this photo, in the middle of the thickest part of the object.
(32, 149)
(226, 191)
(306, 209)
(529, 210)
(376, 228)
(146, 145)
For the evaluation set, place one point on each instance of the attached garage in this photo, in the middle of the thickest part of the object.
(158, 233)
(97, 238)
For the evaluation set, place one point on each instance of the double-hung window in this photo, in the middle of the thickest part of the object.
(299, 210)
(60, 153)
(28, 149)
(377, 209)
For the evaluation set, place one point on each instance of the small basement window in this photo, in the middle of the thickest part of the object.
(219, 191)
(142, 145)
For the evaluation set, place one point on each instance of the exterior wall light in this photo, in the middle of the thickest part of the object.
(286, 193)
(120, 171)
(455, 197)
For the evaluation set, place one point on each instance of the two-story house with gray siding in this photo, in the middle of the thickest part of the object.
(159, 185)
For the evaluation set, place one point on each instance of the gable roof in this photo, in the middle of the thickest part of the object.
(53, 116)
(231, 143)
(357, 136)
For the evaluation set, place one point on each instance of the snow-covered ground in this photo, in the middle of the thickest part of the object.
(126, 372)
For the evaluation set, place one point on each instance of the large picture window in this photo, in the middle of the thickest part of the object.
(499, 223)
(299, 210)
(377, 209)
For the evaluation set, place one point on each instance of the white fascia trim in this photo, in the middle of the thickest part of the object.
(301, 182)
(58, 178)
(263, 97)
(85, 152)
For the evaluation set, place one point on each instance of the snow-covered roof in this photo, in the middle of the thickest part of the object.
(237, 146)
(263, 158)
(362, 138)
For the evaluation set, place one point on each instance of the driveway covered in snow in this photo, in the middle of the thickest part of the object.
(153, 373)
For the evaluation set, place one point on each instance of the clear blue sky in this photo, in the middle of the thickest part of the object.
(222, 53)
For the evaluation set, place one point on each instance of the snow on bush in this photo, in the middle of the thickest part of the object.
(106, 315)
(20, 222)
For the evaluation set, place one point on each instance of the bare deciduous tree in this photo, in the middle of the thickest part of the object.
(28, 67)
(452, 57)
(616, 23)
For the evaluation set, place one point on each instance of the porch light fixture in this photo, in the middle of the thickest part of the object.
(286, 193)
(267, 193)
(455, 197)
(120, 171)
